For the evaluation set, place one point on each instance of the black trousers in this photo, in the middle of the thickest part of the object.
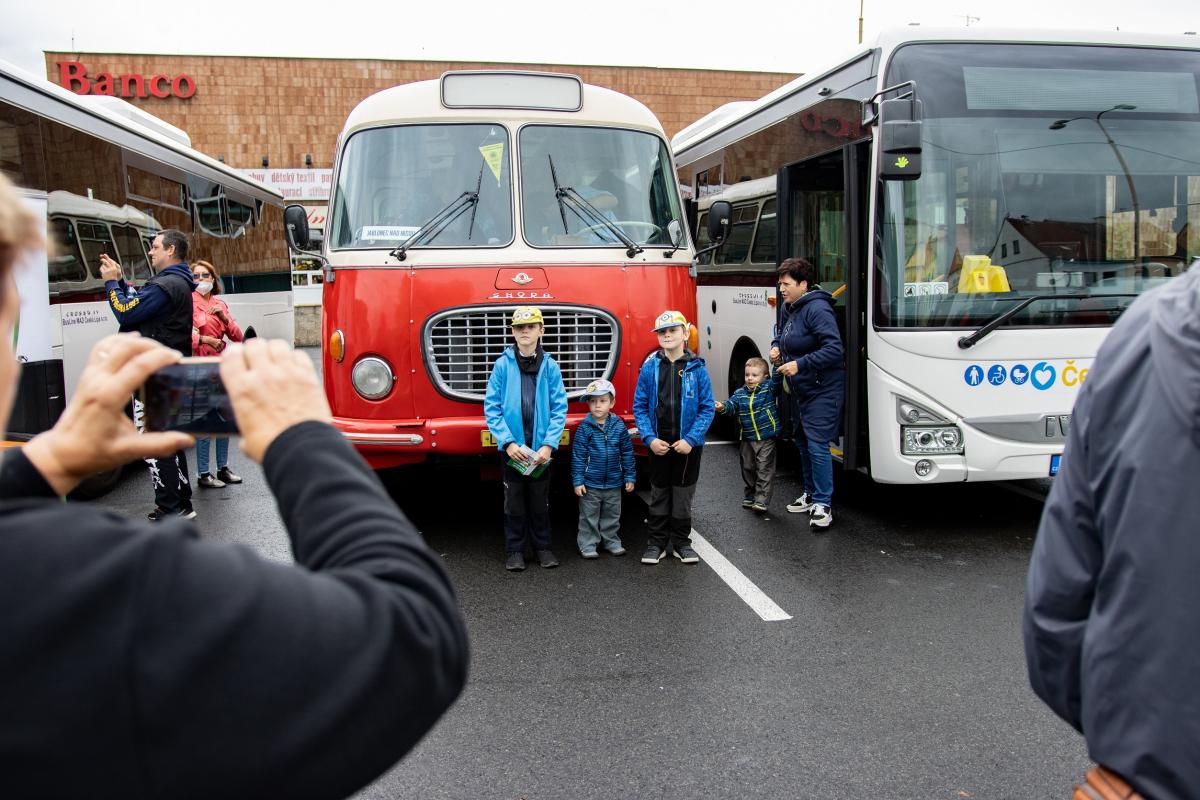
(672, 487)
(169, 476)
(526, 509)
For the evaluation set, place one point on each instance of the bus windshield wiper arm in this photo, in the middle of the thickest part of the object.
(598, 218)
(562, 206)
(966, 342)
(437, 223)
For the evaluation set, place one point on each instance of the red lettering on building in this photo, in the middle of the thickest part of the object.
(73, 75)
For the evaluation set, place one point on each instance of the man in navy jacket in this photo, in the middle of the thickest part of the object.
(161, 310)
(1113, 597)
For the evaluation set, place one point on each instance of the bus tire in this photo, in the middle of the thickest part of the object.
(97, 485)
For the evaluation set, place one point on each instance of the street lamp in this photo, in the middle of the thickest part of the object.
(1059, 124)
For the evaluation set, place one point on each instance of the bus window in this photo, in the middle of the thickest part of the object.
(65, 263)
(764, 238)
(94, 239)
(210, 215)
(130, 253)
(625, 176)
(239, 216)
(737, 244)
(702, 240)
(394, 180)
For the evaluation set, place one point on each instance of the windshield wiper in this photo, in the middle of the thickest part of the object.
(966, 342)
(579, 206)
(438, 222)
(475, 205)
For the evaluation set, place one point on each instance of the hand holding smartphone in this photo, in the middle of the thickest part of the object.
(189, 397)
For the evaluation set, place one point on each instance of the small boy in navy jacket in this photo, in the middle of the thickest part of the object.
(673, 407)
(601, 462)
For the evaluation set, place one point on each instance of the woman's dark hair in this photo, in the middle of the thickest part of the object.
(798, 269)
(174, 238)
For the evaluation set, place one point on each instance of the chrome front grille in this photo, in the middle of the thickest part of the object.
(462, 344)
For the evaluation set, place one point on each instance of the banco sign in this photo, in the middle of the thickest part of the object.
(73, 75)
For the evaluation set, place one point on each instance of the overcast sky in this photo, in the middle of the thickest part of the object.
(772, 35)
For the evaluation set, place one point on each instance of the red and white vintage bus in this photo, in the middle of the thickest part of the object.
(456, 200)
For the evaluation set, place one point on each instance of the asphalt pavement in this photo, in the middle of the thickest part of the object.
(899, 673)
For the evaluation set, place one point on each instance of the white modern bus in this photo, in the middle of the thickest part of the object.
(108, 177)
(984, 205)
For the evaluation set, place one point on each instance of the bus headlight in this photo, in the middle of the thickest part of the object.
(920, 441)
(372, 378)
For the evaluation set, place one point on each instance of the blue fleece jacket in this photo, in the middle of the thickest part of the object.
(134, 306)
(602, 458)
(502, 403)
(756, 409)
(697, 409)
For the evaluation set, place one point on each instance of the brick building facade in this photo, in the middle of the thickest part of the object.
(242, 109)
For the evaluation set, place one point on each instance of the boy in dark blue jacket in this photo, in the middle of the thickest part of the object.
(673, 407)
(601, 462)
(758, 416)
(526, 410)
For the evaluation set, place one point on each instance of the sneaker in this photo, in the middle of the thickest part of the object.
(617, 551)
(207, 481)
(653, 555)
(159, 514)
(801, 504)
(821, 516)
(547, 559)
(515, 562)
(747, 502)
(228, 477)
(687, 555)
(589, 554)
(761, 508)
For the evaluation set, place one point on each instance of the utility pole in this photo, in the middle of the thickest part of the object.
(860, 20)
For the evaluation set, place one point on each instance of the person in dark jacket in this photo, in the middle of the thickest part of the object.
(161, 310)
(145, 662)
(1113, 601)
(755, 407)
(601, 465)
(808, 352)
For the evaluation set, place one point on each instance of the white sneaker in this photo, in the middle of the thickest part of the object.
(820, 517)
(801, 504)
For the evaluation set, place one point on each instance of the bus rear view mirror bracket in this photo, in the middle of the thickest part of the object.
(898, 120)
(299, 239)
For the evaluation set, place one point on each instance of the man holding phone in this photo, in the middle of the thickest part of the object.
(161, 310)
(150, 663)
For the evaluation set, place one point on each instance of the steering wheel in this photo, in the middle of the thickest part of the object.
(629, 223)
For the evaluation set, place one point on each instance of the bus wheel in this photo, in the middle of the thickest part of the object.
(97, 485)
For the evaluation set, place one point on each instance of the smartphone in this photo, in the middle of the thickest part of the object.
(189, 397)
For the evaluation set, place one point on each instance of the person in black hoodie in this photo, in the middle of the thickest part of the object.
(145, 662)
(1112, 599)
(161, 310)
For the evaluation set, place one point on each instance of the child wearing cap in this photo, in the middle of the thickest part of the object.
(673, 407)
(754, 406)
(526, 410)
(601, 463)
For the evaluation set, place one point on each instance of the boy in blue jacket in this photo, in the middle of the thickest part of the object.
(526, 410)
(601, 462)
(758, 416)
(673, 407)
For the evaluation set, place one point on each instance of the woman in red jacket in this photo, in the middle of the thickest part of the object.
(211, 325)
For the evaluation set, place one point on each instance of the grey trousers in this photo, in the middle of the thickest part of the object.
(599, 519)
(758, 469)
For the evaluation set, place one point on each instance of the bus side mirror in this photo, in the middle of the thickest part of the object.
(899, 140)
(295, 228)
(719, 215)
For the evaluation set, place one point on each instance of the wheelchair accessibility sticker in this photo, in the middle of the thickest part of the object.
(1041, 376)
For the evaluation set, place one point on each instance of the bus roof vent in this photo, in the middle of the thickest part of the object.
(538, 91)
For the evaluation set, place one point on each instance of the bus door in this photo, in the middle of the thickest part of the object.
(823, 219)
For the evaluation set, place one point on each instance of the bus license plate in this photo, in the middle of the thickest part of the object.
(487, 440)
(1054, 462)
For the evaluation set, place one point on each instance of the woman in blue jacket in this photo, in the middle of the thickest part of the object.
(808, 350)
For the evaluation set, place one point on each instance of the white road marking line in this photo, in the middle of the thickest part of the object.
(745, 588)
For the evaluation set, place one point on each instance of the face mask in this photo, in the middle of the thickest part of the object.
(205, 287)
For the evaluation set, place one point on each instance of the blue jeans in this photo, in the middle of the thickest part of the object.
(816, 463)
(202, 454)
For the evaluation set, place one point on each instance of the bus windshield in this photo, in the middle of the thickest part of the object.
(393, 180)
(1075, 170)
(622, 177)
